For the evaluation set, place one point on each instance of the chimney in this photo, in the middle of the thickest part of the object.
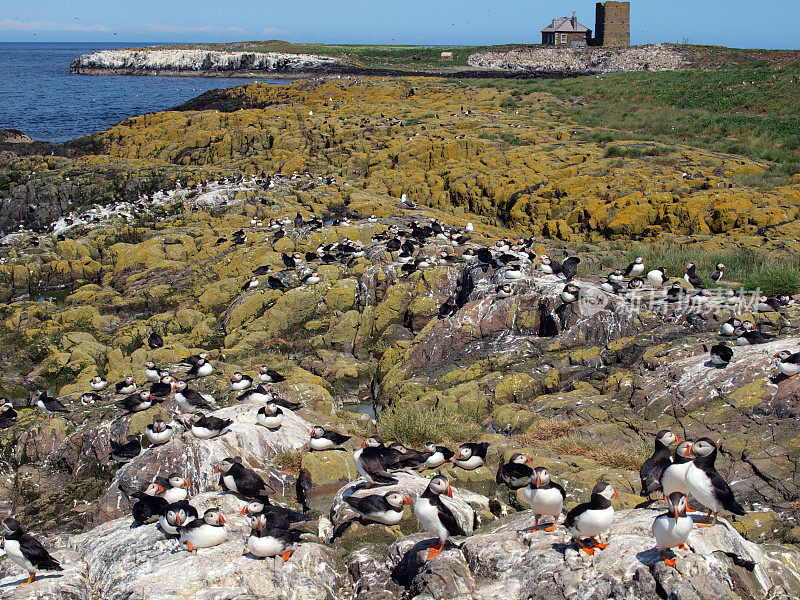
(574, 21)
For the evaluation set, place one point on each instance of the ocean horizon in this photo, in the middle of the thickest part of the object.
(41, 98)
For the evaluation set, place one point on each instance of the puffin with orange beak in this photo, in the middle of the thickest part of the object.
(470, 456)
(706, 485)
(671, 529)
(516, 473)
(237, 478)
(673, 478)
(240, 382)
(278, 516)
(435, 516)
(373, 460)
(175, 516)
(590, 519)
(206, 532)
(267, 540)
(650, 472)
(375, 508)
(545, 497)
(788, 363)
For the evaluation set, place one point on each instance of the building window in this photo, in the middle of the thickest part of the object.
(563, 38)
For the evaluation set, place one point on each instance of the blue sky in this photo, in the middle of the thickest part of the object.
(735, 23)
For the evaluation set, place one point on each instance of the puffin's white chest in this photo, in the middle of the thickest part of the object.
(205, 370)
(14, 552)
(175, 494)
(204, 536)
(670, 534)
(428, 516)
(203, 433)
(321, 444)
(473, 462)
(435, 460)
(159, 437)
(270, 422)
(544, 501)
(637, 270)
(168, 529)
(265, 546)
(360, 465)
(592, 522)
(701, 489)
(230, 483)
(673, 479)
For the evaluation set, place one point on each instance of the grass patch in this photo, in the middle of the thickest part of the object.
(775, 279)
(414, 427)
(289, 462)
(546, 429)
(609, 455)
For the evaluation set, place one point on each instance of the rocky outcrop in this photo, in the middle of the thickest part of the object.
(197, 62)
(580, 61)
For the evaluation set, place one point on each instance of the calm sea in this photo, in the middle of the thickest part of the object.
(40, 97)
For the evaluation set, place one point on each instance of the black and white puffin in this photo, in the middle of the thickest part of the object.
(706, 485)
(635, 283)
(237, 478)
(154, 340)
(569, 268)
(651, 469)
(437, 455)
(124, 453)
(657, 277)
(590, 519)
(240, 381)
(282, 402)
(435, 516)
(270, 415)
(136, 402)
(205, 428)
(545, 497)
(616, 276)
(788, 363)
(98, 384)
(90, 398)
(717, 273)
(206, 532)
(269, 376)
(516, 473)
(323, 439)
(673, 478)
(745, 337)
(385, 509)
(266, 540)
(176, 515)
(471, 455)
(193, 359)
(161, 389)
(250, 284)
(310, 278)
(570, 293)
(8, 416)
(190, 400)
(279, 516)
(693, 278)
(47, 404)
(148, 506)
(607, 285)
(26, 551)
(201, 368)
(636, 268)
(158, 432)
(126, 386)
(549, 266)
(151, 371)
(262, 270)
(173, 488)
(729, 326)
(373, 460)
(672, 528)
(504, 290)
(721, 354)
(675, 292)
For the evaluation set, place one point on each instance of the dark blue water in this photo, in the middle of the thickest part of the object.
(40, 97)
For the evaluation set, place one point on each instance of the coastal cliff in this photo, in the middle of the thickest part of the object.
(197, 62)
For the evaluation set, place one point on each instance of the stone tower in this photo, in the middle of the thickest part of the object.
(612, 24)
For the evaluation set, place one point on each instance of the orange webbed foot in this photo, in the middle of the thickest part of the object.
(670, 562)
(285, 555)
(599, 545)
(552, 528)
(434, 551)
(588, 549)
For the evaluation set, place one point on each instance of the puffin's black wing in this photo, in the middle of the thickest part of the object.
(367, 505)
(560, 489)
(629, 270)
(575, 513)
(375, 463)
(446, 452)
(35, 552)
(510, 472)
(303, 488)
(724, 493)
(249, 483)
(284, 403)
(650, 473)
(336, 437)
(449, 521)
(286, 514)
(214, 423)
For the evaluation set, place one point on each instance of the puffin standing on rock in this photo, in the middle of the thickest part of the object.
(205, 428)
(206, 532)
(237, 478)
(387, 510)
(636, 268)
(266, 540)
(653, 467)
(159, 432)
(707, 485)
(516, 473)
(434, 515)
(26, 551)
(270, 416)
(590, 519)
(437, 455)
(721, 354)
(671, 529)
(48, 404)
(544, 497)
(673, 478)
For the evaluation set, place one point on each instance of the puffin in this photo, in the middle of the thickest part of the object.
(269, 376)
(746, 337)
(767, 304)
(616, 276)
(206, 532)
(196, 358)
(98, 384)
(503, 290)
(190, 400)
(162, 388)
(385, 509)
(262, 270)
(721, 354)
(717, 273)
(514, 272)
(148, 506)
(205, 428)
(173, 488)
(672, 528)
(570, 293)
(303, 487)
(8, 416)
(706, 485)
(516, 473)
(675, 293)
(311, 278)
(26, 551)
(657, 277)
(154, 340)
(650, 472)
(250, 284)
(673, 478)
(545, 497)
(159, 432)
(47, 404)
(90, 398)
(278, 515)
(136, 402)
(610, 286)
(788, 363)
(176, 515)
(693, 278)
(437, 455)
(323, 439)
(590, 519)
(266, 540)
(151, 371)
(549, 266)
(470, 456)
(636, 268)
(240, 382)
(729, 326)
(569, 268)
(635, 283)
(201, 368)
(270, 416)
(255, 395)
(373, 460)
(435, 516)
(237, 478)
(127, 386)
(124, 453)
